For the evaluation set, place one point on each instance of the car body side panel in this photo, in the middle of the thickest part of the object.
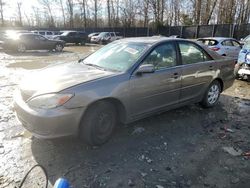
(152, 91)
(195, 79)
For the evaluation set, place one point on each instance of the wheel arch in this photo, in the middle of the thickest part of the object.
(119, 106)
(221, 83)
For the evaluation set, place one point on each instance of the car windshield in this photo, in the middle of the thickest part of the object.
(102, 34)
(247, 45)
(117, 56)
(247, 38)
(64, 33)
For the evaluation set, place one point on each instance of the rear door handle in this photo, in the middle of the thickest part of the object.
(211, 67)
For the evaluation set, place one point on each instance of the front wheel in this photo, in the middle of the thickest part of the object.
(98, 123)
(21, 48)
(212, 95)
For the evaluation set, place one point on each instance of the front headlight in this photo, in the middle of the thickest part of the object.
(48, 101)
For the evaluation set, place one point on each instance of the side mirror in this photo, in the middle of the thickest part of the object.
(148, 68)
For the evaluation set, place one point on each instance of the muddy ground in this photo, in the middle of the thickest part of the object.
(186, 147)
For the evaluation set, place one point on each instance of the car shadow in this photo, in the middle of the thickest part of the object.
(131, 152)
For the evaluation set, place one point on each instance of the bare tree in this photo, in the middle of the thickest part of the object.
(47, 7)
(2, 4)
(63, 13)
(19, 12)
(109, 13)
(70, 7)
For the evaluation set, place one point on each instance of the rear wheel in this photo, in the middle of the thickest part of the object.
(21, 48)
(59, 47)
(98, 123)
(248, 78)
(83, 43)
(236, 69)
(212, 95)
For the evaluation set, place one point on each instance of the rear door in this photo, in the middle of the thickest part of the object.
(237, 48)
(42, 43)
(153, 91)
(228, 48)
(71, 38)
(197, 70)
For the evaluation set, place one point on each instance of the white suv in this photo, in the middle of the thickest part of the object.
(47, 34)
(224, 46)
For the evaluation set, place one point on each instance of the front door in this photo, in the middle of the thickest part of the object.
(153, 91)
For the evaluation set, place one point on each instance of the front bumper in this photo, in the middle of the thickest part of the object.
(48, 123)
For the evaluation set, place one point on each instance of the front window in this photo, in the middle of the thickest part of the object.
(163, 56)
(118, 56)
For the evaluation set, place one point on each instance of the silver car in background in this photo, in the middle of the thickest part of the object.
(124, 81)
(224, 46)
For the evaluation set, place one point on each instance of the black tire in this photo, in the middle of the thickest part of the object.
(83, 43)
(248, 78)
(236, 69)
(59, 47)
(98, 123)
(212, 95)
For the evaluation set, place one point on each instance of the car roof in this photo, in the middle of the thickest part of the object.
(151, 40)
(217, 38)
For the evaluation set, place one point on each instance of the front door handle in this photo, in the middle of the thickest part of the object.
(211, 67)
(176, 75)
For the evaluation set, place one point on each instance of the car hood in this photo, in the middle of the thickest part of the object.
(59, 77)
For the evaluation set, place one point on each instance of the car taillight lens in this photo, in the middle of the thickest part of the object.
(215, 48)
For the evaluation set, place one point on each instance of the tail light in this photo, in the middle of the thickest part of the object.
(215, 48)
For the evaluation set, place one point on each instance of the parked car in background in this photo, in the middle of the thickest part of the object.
(224, 46)
(11, 33)
(76, 37)
(47, 34)
(124, 81)
(31, 41)
(243, 40)
(242, 68)
(106, 37)
(92, 35)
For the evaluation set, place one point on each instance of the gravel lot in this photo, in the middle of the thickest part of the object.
(186, 147)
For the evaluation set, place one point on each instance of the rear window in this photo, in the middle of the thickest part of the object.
(208, 42)
(42, 33)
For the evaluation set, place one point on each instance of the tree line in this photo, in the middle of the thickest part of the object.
(126, 13)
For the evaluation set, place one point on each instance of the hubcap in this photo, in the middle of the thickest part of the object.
(59, 47)
(21, 48)
(104, 125)
(213, 94)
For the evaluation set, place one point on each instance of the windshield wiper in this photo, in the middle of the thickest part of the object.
(94, 65)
